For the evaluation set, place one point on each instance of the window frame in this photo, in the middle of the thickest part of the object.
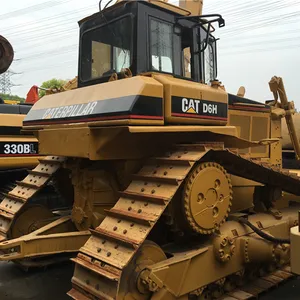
(202, 53)
(150, 65)
(128, 15)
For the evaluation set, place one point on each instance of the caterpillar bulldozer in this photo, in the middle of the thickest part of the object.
(19, 154)
(177, 184)
(17, 151)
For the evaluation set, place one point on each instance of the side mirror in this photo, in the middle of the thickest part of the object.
(221, 22)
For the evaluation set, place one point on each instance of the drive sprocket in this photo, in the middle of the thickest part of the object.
(207, 197)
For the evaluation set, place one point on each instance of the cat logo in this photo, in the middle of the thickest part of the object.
(190, 106)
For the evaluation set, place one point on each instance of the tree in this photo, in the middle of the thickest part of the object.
(52, 84)
(11, 97)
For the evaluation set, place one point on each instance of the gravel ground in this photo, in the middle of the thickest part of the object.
(54, 283)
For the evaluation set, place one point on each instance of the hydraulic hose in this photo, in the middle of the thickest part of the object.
(263, 234)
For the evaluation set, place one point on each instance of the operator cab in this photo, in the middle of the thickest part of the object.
(145, 37)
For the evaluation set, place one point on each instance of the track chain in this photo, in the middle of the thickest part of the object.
(254, 169)
(114, 243)
(101, 261)
(260, 285)
(16, 199)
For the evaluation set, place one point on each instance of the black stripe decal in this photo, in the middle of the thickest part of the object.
(249, 108)
(15, 109)
(135, 106)
(10, 130)
(247, 104)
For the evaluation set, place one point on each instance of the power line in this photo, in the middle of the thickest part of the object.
(247, 51)
(30, 9)
(244, 18)
(50, 25)
(51, 51)
(41, 20)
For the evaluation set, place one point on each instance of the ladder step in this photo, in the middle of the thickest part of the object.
(115, 237)
(37, 173)
(49, 161)
(84, 262)
(138, 218)
(161, 179)
(2, 232)
(144, 197)
(6, 215)
(29, 185)
(171, 160)
(15, 198)
(7, 210)
(79, 292)
(76, 294)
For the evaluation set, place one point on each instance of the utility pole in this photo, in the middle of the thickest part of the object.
(6, 83)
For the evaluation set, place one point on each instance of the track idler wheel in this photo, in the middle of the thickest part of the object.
(31, 218)
(135, 284)
(207, 197)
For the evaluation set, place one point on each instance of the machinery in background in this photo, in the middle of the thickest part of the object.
(177, 183)
(289, 156)
(33, 94)
(19, 153)
(12, 101)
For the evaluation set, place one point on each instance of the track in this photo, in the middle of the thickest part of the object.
(116, 240)
(101, 261)
(261, 285)
(16, 199)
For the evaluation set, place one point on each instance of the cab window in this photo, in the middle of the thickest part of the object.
(161, 45)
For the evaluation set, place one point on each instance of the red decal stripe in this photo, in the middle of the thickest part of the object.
(198, 116)
(95, 119)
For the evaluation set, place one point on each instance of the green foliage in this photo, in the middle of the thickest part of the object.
(51, 84)
(11, 97)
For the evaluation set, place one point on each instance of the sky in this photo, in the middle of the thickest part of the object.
(260, 40)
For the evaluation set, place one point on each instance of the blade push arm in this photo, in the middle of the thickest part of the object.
(277, 88)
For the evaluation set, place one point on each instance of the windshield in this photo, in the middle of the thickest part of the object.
(106, 50)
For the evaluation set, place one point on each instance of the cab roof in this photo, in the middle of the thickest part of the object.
(162, 4)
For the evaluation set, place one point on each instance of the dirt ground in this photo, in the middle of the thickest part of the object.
(54, 282)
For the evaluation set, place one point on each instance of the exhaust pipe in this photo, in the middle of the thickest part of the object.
(6, 54)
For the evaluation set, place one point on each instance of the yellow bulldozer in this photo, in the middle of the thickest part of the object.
(18, 155)
(16, 151)
(177, 184)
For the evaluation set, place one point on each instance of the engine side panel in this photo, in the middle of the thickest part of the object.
(188, 102)
(137, 100)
